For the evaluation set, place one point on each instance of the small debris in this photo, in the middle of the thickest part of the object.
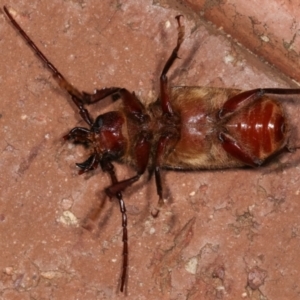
(191, 265)
(8, 270)
(152, 230)
(264, 38)
(66, 204)
(256, 278)
(68, 218)
(51, 274)
(219, 272)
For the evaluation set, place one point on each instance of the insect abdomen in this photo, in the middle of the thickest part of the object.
(260, 129)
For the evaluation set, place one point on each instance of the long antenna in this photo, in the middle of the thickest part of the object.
(32, 45)
(63, 83)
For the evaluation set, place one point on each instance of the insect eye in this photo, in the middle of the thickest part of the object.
(97, 124)
(283, 128)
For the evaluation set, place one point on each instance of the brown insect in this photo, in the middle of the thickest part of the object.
(186, 128)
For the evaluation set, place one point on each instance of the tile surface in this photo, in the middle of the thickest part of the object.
(230, 234)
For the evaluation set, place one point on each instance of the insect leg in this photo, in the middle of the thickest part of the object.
(245, 98)
(234, 148)
(132, 105)
(79, 134)
(108, 167)
(169, 139)
(164, 146)
(99, 95)
(160, 151)
(164, 86)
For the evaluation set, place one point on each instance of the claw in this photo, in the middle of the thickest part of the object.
(90, 164)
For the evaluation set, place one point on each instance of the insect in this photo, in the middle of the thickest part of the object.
(186, 128)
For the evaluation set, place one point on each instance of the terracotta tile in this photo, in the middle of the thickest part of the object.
(218, 232)
(270, 30)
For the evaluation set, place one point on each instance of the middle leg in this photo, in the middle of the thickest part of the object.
(164, 85)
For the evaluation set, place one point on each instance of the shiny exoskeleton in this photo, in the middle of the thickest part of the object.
(186, 128)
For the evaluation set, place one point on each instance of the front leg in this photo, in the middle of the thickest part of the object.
(99, 95)
(133, 107)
